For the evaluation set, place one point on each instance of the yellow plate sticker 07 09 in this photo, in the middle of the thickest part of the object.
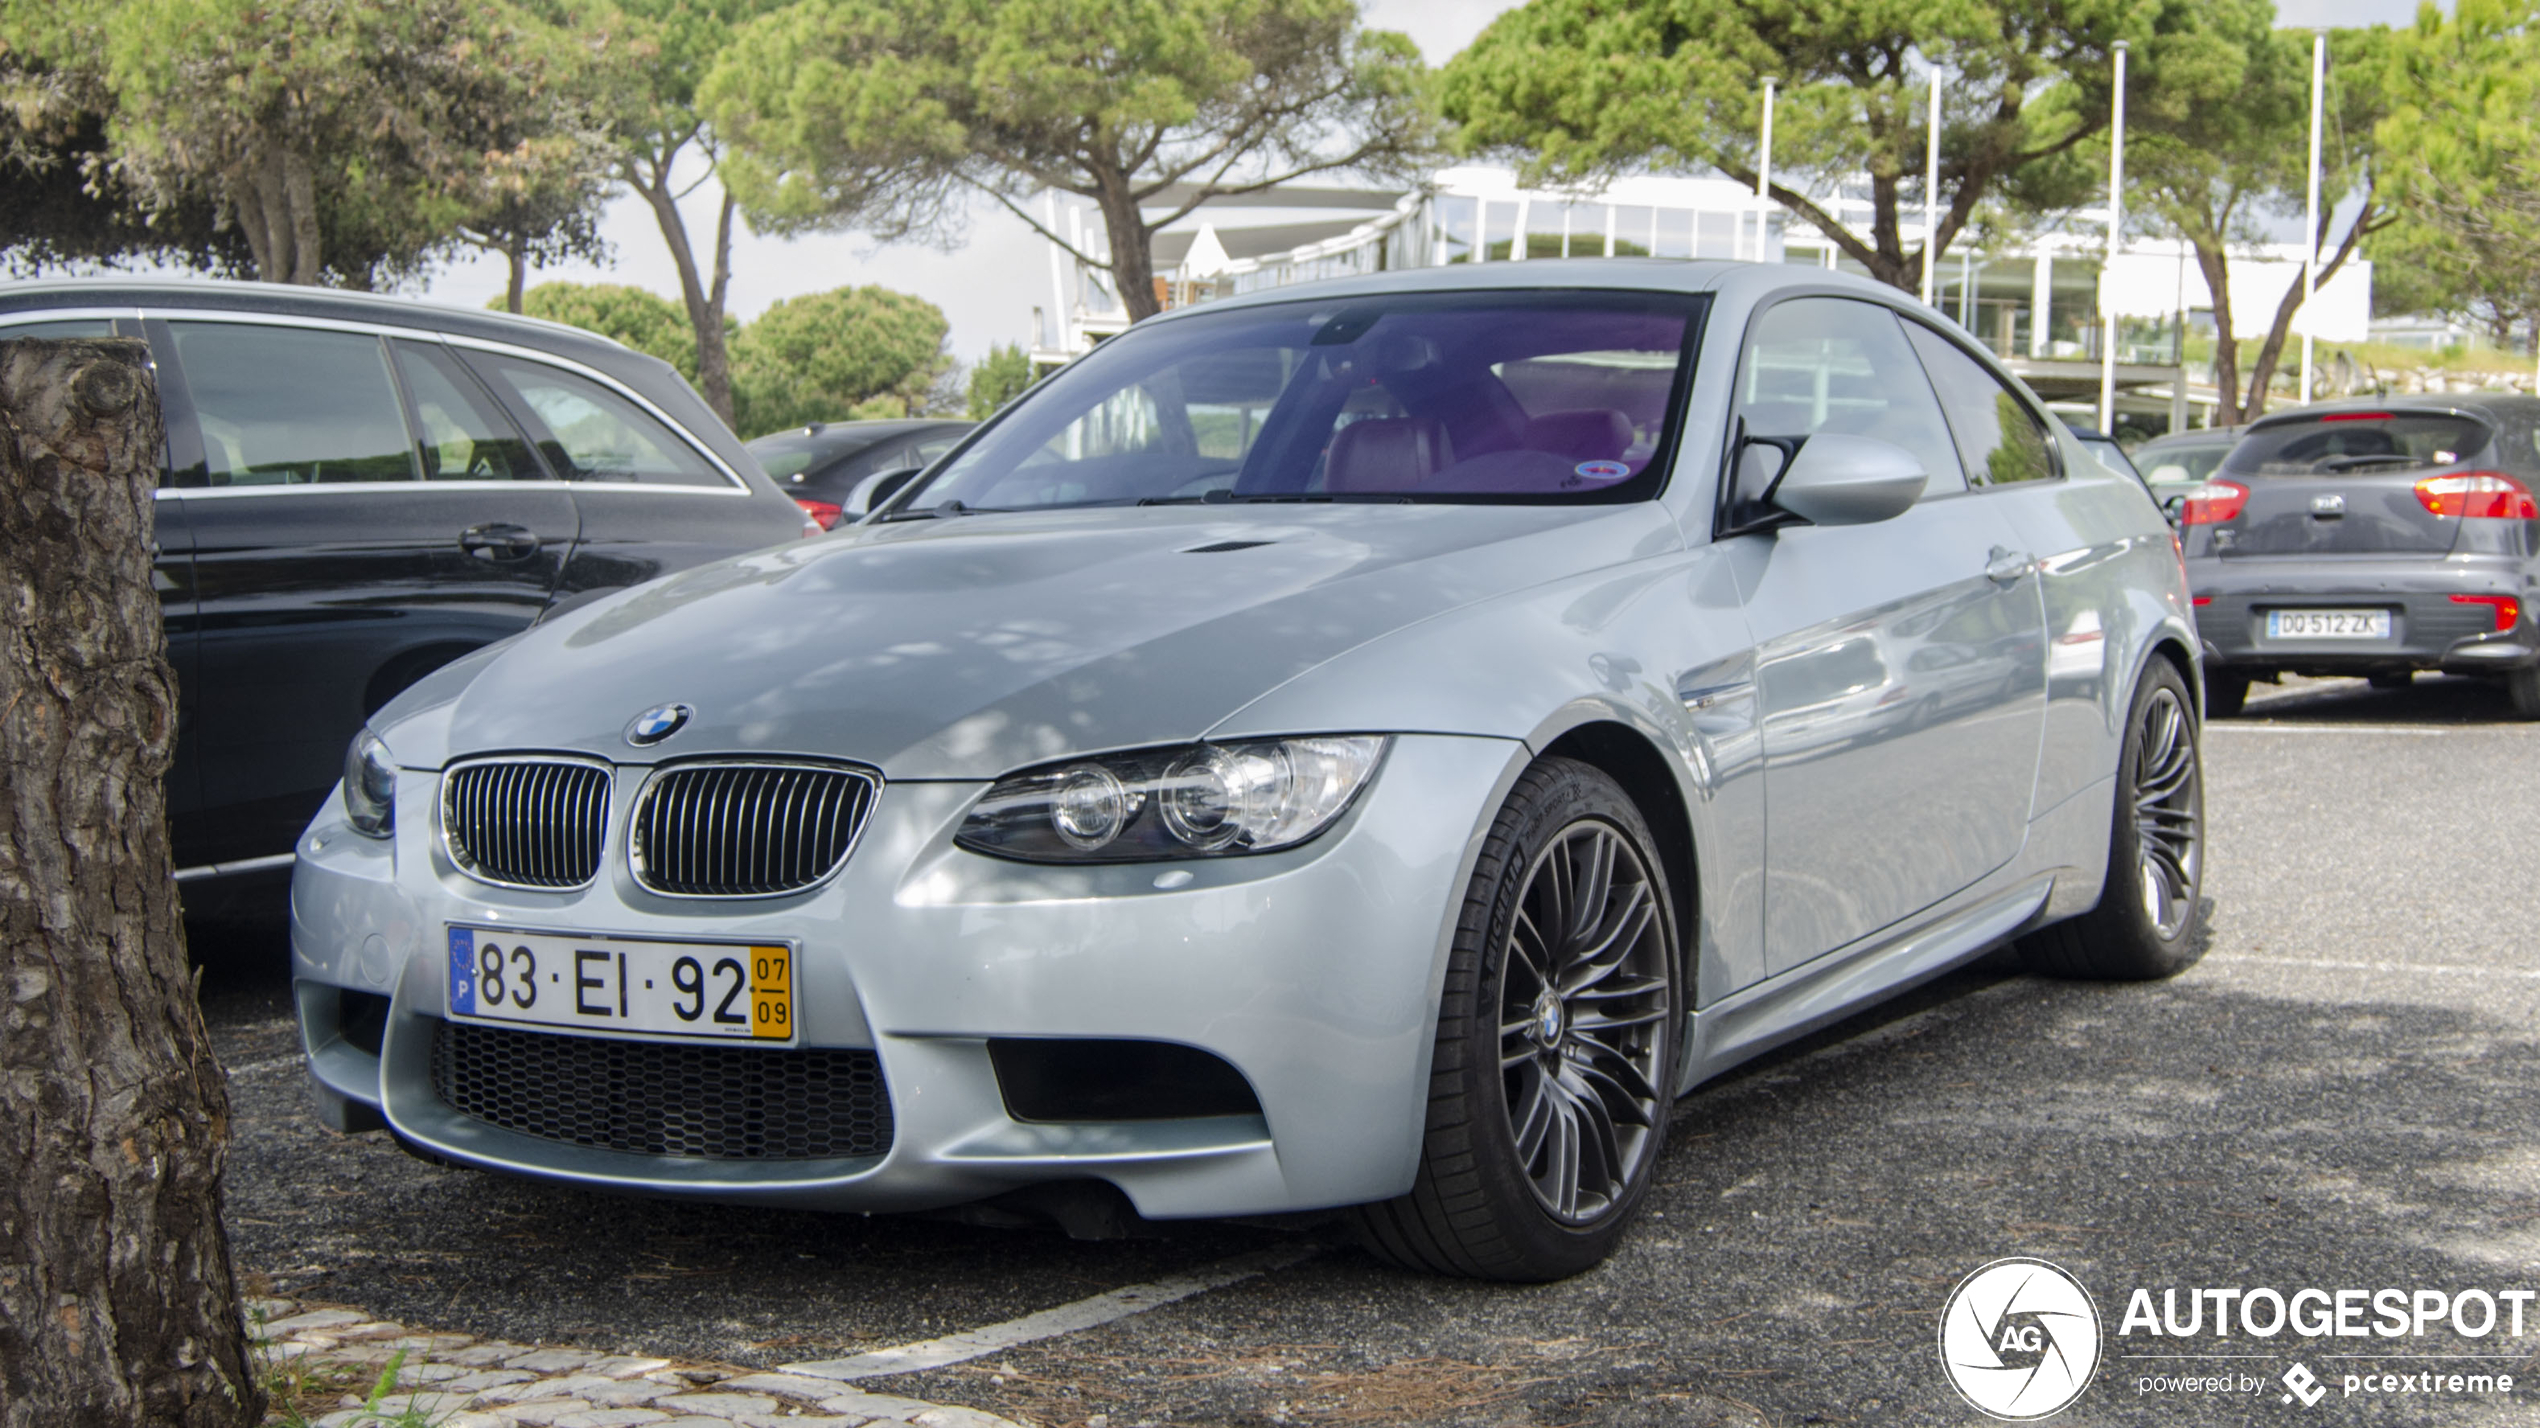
(772, 992)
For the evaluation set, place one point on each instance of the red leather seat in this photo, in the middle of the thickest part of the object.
(1385, 454)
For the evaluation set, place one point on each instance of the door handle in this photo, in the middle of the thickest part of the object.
(2007, 566)
(499, 541)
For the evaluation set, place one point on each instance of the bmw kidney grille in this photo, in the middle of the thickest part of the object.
(745, 829)
(526, 822)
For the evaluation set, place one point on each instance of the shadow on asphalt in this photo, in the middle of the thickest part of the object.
(2431, 700)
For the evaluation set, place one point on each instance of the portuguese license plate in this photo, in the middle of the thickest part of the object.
(742, 991)
(2328, 624)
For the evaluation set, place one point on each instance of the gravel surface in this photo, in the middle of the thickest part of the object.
(2339, 1095)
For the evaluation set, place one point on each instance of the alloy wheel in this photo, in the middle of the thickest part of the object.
(2168, 812)
(1583, 1002)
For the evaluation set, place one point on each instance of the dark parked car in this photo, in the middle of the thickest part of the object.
(360, 489)
(839, 470)
(2372, 538)
(2174, 465)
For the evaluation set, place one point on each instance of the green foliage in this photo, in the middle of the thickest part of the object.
(645, 321)
(998, 379)
(2461, 147)
(1580, 89)
(849, 354)
(343, 140)
(871, 113)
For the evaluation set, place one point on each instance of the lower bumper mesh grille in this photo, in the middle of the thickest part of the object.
(655, 1098)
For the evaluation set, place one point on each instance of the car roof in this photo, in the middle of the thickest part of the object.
(2493, 404)
(287, 300)
(2201, 436)
(829, 435)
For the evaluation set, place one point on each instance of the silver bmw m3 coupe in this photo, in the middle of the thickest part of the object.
(1368, 747)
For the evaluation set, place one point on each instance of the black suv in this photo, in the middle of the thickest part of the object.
(358, 490)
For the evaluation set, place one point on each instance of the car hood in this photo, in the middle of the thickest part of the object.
(963, 647)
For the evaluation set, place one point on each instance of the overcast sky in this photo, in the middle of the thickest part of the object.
(989, 281)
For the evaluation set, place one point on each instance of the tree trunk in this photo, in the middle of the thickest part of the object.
(515, 252)
(117, 1305)
(651, 178)
(2213, 260)
(1132, 260)
(2262, 371)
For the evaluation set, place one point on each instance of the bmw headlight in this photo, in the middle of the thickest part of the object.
(1196, 801)
(370, 785)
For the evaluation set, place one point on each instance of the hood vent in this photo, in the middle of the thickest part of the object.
(1224, 546)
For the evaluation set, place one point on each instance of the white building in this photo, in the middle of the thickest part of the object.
(2037, 306)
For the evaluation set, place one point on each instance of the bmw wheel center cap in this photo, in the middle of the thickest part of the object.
(657, 723)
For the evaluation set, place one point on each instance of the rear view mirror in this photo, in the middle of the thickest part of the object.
(1838, 479)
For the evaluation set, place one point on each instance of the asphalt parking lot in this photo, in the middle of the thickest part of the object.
(2340, 1095)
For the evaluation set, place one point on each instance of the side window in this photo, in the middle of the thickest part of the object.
(1998, 434)
(459, 433)
(591, 433)
(1836, 365)
(60, 327)
(284, 406)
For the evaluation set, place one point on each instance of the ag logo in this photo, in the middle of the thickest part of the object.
(2019, 1339)
(657, 723)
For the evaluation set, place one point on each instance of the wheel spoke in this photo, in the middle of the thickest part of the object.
(1630, 1089)
(1595, 885)
(1534, 1121)
(1594, 966)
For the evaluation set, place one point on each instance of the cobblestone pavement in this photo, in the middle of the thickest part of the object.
(461, 1381)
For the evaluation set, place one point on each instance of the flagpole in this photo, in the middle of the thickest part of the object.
(1764, 170)
(2107, 277)
(1931, 184)
(2311, 208)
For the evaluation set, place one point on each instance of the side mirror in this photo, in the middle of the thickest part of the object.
(1838, 479)
(872, 491)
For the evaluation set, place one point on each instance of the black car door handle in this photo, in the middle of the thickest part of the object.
(499, 541)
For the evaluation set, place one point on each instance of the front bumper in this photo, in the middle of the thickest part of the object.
(1314, 972)
(2429, 629)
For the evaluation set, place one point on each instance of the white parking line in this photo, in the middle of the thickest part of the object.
(2411, 969)
(1050, 1323)
(2239, 726)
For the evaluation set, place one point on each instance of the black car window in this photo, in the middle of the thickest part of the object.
(1836, 365)
(459, 432)
(2333, 443)
(60, 327)
(591, 433)
(1999, 436)
(293, 405)
(925, 453)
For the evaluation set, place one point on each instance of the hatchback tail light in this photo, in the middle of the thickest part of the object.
(2478, 495)
(2213, 503)
(822, 512)
(2508, 609)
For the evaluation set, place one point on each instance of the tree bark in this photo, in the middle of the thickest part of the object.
(117, 1304)
(1132, 257)
(651, 178)
(2214, 261)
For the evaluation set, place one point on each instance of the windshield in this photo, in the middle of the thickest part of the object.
(2357, 441)
(1493, 396)
(2110, 455)
(791, 452)
(2186, 461)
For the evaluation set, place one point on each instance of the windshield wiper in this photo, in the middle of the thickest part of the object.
(952, 507)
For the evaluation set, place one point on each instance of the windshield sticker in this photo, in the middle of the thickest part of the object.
(1602, 470)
